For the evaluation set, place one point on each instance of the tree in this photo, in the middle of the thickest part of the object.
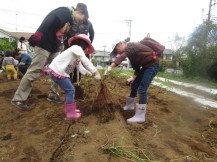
(200, 51)
(5, 45)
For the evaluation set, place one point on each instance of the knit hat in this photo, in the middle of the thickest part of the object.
(84, 37)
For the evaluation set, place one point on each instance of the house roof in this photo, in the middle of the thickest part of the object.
(168, 52)
(20, 34)
(5, 32)
(16, 34)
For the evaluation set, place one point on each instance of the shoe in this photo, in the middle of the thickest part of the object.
(129, 103)
(21, 105)
(139, 116)
(66, 109)
(55, 99)
(71, 111)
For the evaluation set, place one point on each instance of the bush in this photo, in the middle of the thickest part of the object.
(94, 62)
(5, 45)
(212, 71)
(163, 65)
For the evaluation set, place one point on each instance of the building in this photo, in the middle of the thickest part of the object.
(13, 35)
(169, 55)
(103, 59)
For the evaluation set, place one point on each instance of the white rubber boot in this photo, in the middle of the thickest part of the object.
(129, 104)
(139, 116)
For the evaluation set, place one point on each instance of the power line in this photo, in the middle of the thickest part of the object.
(17, 25)
(7, 29)
(20, 12)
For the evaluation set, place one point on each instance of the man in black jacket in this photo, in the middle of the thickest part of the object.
(84, 27)
(46, 42)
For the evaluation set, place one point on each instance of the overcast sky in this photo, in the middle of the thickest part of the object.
(161, 18)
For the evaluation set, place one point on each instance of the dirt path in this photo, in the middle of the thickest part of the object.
(176, 128)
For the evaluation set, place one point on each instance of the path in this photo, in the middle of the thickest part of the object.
(204, 101)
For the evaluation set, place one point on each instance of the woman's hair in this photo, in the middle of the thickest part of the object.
(16, 54)
(80, 43)
(22, 38)
(9, 54)
(83, 9)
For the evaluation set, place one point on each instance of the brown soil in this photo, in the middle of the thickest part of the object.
(176, 128)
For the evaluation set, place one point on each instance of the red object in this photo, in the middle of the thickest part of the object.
(38, 34)
(154, 45)
(84, 37)
(35, 39)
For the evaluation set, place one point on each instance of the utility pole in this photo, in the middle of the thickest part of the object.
(210, 8)
(129, 22)
(208, 22)
(104, 54)
(16, 22)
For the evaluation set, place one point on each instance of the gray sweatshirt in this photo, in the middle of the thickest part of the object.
(9, 61)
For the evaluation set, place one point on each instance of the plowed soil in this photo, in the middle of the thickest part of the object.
(176, 128)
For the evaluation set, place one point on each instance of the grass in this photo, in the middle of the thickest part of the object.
(196, 80)
(166, 83)
(118, 72)
(129, 153)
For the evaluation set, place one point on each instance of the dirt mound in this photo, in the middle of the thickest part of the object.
(176, 128)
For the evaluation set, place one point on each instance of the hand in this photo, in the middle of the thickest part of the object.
(35, 39)
(97, 75)
(59, 35)
(88, 74)
(130, 80)
(45, 70)
(108, 70)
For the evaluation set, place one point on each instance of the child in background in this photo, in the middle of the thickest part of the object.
(2, 54)
(9, 64)
(65, 63)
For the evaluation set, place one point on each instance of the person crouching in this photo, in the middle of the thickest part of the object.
(9, 64)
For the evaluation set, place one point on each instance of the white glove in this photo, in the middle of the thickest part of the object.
(97, 76)
(88, 74)
(3, 67)
(130, 80)
(108, 70)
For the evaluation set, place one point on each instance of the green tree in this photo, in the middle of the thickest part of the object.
(5, 45)
(200, 53)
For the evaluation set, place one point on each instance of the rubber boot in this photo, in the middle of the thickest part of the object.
(129, 104)
(71, 113)
(139, 116)
(77, 110)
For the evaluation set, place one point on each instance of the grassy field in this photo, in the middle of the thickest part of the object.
(204, 82)
(200, 81)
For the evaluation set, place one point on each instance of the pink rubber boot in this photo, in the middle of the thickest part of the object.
(77, 110)
(71, 111)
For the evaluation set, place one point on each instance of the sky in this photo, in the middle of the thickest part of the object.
(163, 19)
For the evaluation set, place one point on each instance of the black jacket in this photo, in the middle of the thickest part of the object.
(53, 22)
(83, 28)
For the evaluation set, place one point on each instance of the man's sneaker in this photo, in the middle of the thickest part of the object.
(21, 105)
(55, 99)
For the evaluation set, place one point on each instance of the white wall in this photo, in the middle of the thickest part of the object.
(2, 35)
